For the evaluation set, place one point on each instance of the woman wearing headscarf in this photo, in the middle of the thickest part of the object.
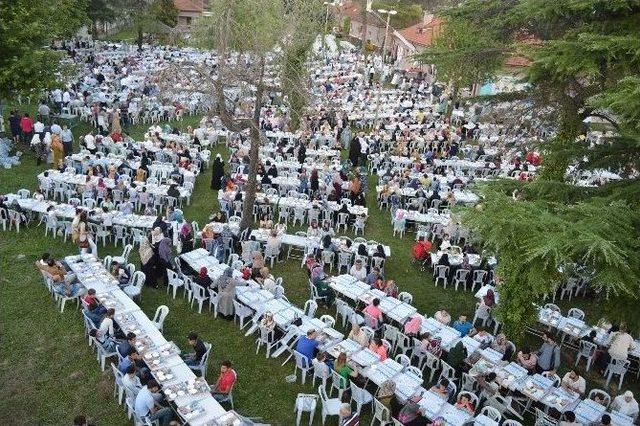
(148, 262)
(318, 279)
(483, 311)
(268, 322)
(159, 265)
(186, 237)
(58, 151)
(413, 325)
(386, 395)
(203, 279)
(144, 161)
(217, 171)
(226, 293)
(141, 175)
(354, 151)
(165, 255)
(314, 182)
(411, 413)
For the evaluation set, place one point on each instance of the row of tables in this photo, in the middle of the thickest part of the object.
(68, 211)
(79, 181)
(197, 407)
(538, 388)
(333, 342)
(577, 328)
(293, 202)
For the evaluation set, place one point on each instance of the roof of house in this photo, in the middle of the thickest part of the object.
(188, 5)
(518, 61)
(422, 33)
(352, 10)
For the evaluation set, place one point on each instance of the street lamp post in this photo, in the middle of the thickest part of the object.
(389, 13)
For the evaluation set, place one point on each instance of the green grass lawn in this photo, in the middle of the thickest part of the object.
(48, 374)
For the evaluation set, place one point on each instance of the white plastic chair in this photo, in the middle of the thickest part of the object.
(102, 354)
(302, 363)
(338, 383)
(135, 288)
(310, 308)
(328, 320)
(461, 278)
(213, 302)
(588, 351)
(381, 414)
(403, 360)
(118, 388)
(160, 316)
(124, 257)
(173, 282)
(330, 406)
(199, 295)
(305, 403)
(447, 372)
(606, 398)
(266, 338)
(492, 413)
(440, 272)
(241, 312)
(202, 367)
(360, 396)
(619, 367)
(320, 371)
(576, 313)
(405, 297)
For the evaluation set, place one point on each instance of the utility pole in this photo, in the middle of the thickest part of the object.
(365, 18)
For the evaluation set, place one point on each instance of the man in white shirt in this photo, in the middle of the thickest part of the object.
(57, 98)
(90, 142)
(446, 243)
(574, 382)
(621, 343)
(44, 111)
(626, 404)
(106, 326)
(38, 127)
(358, 271)
(131, 382)
(147, 407)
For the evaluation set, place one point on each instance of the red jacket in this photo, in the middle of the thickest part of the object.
(26, 124)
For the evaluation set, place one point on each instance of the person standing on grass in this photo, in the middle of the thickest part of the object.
(26, 126)
(38, 128)
(14, 124)
(67, 140)
(548, 354)
(43, 112)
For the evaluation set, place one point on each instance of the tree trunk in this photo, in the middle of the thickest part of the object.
(140, 38)
(251, 188)
(454, 99)
(556, 162)
(94, 29)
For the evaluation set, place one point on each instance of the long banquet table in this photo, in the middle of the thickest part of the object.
(170, 370)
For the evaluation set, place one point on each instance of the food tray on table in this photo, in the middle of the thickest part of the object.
(197, 386)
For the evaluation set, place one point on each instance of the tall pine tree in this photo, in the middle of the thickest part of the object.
(586, 64)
